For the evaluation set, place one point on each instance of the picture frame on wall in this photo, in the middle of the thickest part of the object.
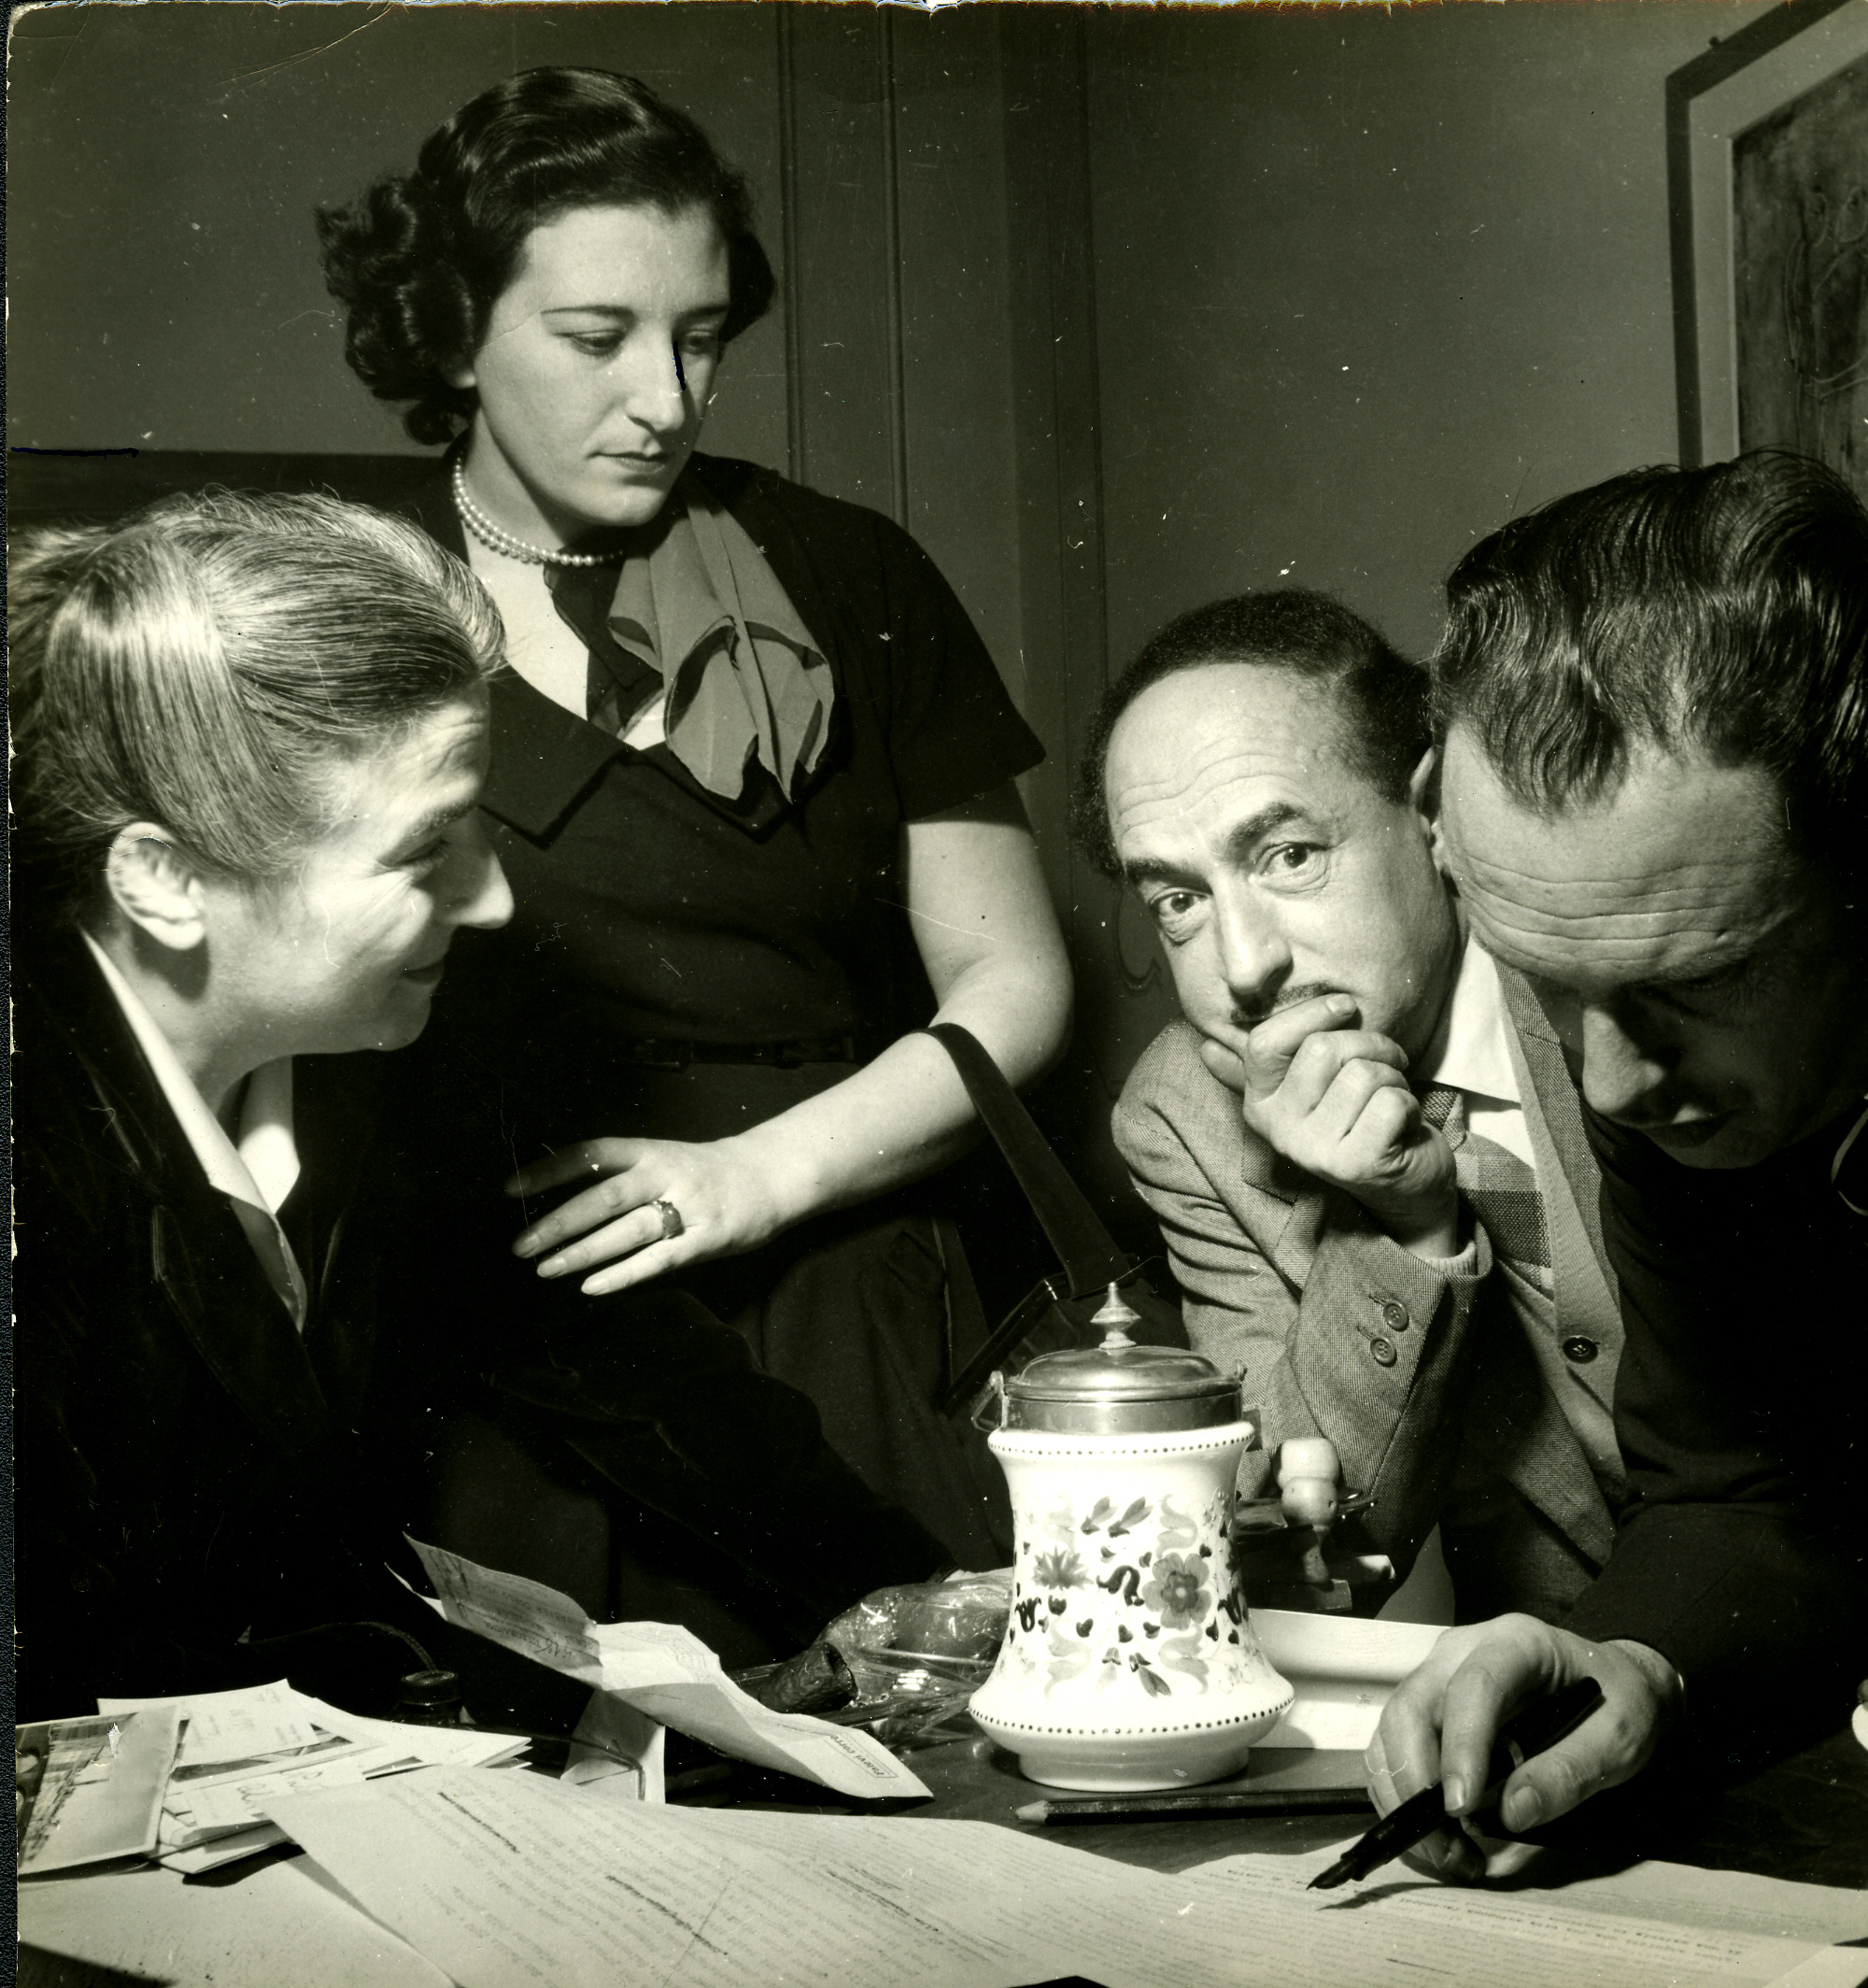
(1767, 170)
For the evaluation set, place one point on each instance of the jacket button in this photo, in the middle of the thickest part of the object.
(1394, 1316)
(1579, 1349)
(1383, 1352)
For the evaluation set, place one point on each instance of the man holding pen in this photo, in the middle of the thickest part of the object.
(1654, 700)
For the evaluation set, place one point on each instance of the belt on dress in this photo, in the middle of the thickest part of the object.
(668, 1053)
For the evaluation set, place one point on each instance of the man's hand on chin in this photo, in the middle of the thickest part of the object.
(1334, 1099)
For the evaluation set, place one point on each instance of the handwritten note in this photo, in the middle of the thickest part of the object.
(505, 1879)
(1620, 1933)
(238, 1805)
(509, 1881)
(663, 1670)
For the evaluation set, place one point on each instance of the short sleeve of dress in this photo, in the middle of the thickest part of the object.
(954, 729)
(901, 641)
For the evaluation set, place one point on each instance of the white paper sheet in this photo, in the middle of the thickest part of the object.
(663, 1670)
(1624, 1936)
(231, 1849)
(227, 1726)
(504, 1880)
(611, 1736)
(238, 1805)
(507, 1880)
(282, 1925)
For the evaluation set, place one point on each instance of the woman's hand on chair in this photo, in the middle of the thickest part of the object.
(649, 1206)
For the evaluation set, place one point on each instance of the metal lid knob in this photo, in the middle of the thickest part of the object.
(1118, 1387)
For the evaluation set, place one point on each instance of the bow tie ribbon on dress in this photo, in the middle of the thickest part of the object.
(699, 615)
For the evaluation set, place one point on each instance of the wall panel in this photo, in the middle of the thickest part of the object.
(163, 164)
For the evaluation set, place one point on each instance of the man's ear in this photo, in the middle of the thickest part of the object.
(1423, 797)
(156, 885)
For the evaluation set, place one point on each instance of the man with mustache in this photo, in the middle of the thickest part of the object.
(1360, 1144)
(1655, 698)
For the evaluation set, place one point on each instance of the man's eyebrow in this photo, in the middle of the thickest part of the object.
(1240, 843)
(1252, 831)
(1152, 870)
(1730, 967)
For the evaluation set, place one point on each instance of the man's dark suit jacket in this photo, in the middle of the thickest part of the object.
(1743, 1551)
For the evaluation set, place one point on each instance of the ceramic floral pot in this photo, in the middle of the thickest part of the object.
(1128, 1661)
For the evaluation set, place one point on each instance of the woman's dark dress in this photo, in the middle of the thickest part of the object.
(672, 972)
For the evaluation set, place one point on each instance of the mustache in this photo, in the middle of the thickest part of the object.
(1247, 1016)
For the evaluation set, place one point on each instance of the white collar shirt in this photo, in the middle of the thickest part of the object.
(1476, 1058)
(257, 1170)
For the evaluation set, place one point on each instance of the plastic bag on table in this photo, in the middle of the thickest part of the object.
(903, 1661)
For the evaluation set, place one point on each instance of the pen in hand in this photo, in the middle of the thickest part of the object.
(1535, 1730)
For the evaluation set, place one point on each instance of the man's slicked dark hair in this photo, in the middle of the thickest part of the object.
(1722, 612)
(1382, 700)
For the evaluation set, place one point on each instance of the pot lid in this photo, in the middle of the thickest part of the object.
(1118, 1372)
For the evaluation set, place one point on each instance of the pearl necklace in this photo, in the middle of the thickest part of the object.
(499, 540)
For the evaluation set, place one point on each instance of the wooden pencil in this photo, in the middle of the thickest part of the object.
(1200, 1801)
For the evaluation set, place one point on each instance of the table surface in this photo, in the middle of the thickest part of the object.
(1805, 1819)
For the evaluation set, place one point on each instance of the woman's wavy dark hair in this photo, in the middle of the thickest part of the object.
(422, 259)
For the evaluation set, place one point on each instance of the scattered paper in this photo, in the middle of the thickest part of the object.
(308, 1730)
(663, 1670)
(225, 1728)
(239, 1748)
(1493, 1938)
(231, 1849)
(238, 1805)
(97, 1791)
(618, 1750)
(1343, 1670)
(504, 1880)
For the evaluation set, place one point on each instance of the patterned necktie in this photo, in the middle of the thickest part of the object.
(1502, 1190)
